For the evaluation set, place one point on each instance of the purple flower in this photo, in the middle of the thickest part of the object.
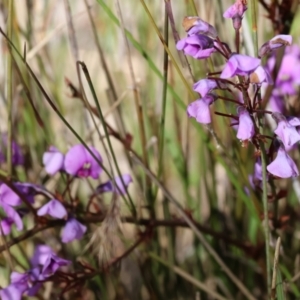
(239, 64)
(261, 75)
(205, 86)
(13, 215)
(73, 230)
(288, 77)
(276, 42)
(52, 264)
(40, 255)
(29, 278)
(79, 162)
(194, 25)
(17, 156)
(283, 166)
(14, 291)
(199, 109)
(54, 209)
(198, 46)
(109, 186)
(8, 196)
(236, 12)
(285, 131)
(246, 127)
(53, 160)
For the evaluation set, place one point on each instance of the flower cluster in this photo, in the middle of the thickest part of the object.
(201, 42)
(44, 264)
(78, 162)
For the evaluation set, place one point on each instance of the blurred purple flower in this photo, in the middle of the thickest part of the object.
(79, 162)
(285, 131)
(261, 75)
(276, 102)
(236, 12)
(13, 215)
(239, 64)
(17, 156)
(40, 255)
(199, 109)
(6, 224)
(205, 86)
(53, 208)
(283, 166)
(198, 46)
(52, 264)
(276, 42)
(14, 291)
(8, 196)
(110, 187)
(73, 230)
(53, 160)
(288, 77)
(195, 25)
(246, 127)
(31, 278)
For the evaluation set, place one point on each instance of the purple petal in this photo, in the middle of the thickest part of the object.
(239, 64)
(14, 291)
(109, 186)
(283, 166)
(53, 161)
(53, 208)
(79, 162)
(6, 224)
(41, 254)
(11, 213)
(52, 264)
(246, 126)
(73, 230)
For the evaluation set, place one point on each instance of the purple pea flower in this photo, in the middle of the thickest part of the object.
(194, 25)
(109, 186)
(54, 209)
(246, 127)
(13, 215)
(52, 264)
(198, 46)
(14, 291)
(79, 162)
(261, 75)
(30, 278)
(288, 77)
(205, 86)
(40, 255)
(285, 131)
(276, 42)
(236, 13)
(239, 64)
(73, 230)
(53, 160)
(199, 109)
(8, 196)
(283, 166)
(17, 156)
